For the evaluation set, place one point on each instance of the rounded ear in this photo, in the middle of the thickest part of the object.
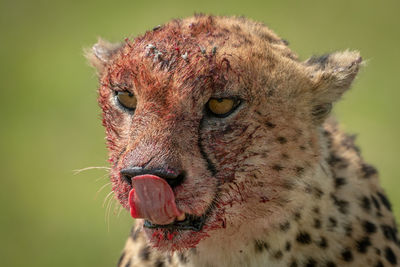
(101, 54)
(331, 75)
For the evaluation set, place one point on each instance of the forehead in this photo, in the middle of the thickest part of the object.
(200, 55)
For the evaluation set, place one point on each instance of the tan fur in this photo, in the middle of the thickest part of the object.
(284, 186)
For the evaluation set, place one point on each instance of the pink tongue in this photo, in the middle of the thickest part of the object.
(153, 199)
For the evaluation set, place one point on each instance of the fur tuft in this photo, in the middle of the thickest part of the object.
(100, 55)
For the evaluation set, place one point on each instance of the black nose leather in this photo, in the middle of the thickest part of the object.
(172, 177)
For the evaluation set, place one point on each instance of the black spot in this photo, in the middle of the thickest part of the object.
(285, 156)
(337, 162)
(377, 251)
(368, 170)
(379, 264)
(288, 246)
(332, 222)
(285, 42)
(293, 264)
(282, 140)
(323, 243)
(333, 159)
(277, 167)
(135, 233)
(311, 263)
(369, 227)
(316, 210)
(376, 203)
(303, 238)
(363, 244)
(299, 170)
(278, 255)
(330, 264)
(389, 232)
(389, 255)
(159, 263)
(302, 147)
(366, 203)
(182, 258)
(128, 264)
(120, 259)
(297, 216)
(348, 142)
(260, 245)
(385, 201)
(347, 255)
(348, 229)
(317, 223)
(340, 181)
(342, 205)
(285, 226)
(318, 192)
(144, 253)
(270, 125)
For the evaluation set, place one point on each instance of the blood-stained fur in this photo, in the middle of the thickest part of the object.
(272, 183)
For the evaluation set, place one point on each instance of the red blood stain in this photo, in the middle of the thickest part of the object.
(133, 69)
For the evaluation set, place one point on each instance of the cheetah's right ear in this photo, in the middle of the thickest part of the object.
(331, 75)
(101, 54)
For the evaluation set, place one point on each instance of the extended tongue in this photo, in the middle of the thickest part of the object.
(153, 199)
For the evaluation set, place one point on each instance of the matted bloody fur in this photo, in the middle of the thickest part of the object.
(263, 175)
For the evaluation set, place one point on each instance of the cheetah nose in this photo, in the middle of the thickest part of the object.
(172, 177)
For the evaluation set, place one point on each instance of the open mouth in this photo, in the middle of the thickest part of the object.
(191, 222)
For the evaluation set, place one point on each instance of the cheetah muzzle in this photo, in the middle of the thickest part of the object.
(223, 151)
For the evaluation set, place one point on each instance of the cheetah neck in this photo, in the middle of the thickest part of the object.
(254, 244)
(317, 214)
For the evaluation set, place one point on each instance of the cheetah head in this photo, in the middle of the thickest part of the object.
(211, 124)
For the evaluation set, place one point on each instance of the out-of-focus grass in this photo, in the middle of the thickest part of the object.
(50, 122)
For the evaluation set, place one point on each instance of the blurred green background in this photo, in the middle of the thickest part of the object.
(50, 122)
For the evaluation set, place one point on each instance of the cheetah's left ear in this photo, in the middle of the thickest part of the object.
(331, 76)
(101, 54)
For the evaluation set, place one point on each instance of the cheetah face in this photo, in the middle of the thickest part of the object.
(206, 135)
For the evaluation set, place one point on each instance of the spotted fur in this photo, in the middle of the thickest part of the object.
(278, 182)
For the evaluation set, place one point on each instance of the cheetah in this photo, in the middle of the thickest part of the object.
(223, 150)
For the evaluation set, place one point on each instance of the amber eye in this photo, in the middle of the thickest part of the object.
(127, 99)
(222, 107)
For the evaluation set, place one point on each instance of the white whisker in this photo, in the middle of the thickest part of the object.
(108, 212)
(102, 177)
(101, 188)
(90, 168)
(105, 200)
(120, 208)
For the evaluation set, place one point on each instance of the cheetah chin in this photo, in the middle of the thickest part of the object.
(223, 150)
